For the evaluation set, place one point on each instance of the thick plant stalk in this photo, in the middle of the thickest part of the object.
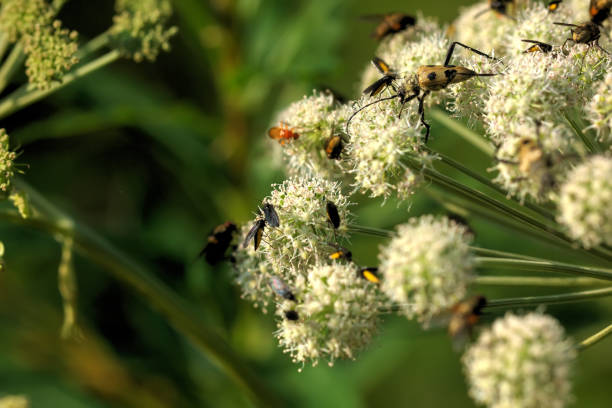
(549, 300)
(594, 339)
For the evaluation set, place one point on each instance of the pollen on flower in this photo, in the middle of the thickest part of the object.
(316, 119)
(7, 165)
(427, 267)
(521, 361)
(139, 30)
(585, 202)
(337, 315)
(50, 53)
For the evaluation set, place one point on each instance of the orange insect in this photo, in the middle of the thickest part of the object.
(282, 133)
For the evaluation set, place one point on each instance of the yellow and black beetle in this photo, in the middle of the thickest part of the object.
(427, 79)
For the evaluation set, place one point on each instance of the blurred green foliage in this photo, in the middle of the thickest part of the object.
(153, 156)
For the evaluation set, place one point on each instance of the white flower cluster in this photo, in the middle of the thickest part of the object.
(316, 119)
(585, 202)
(599, 109)
(303, 238)
(427, 266)
(337, 315)
(521, 361)
(14, 401)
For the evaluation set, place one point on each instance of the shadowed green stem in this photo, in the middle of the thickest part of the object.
(536, 281)
(594, 339)
(544, 266)
(461, 130)
(550, 299)
(177, 311)
(11, 65)
(25, 96)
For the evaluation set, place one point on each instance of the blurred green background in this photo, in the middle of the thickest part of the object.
(153, 156)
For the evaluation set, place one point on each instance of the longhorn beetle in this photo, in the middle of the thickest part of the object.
(427, 79)
(537, 46)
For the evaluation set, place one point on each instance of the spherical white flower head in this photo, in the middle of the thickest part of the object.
(304, 235)
(521, 361)
(585, 202)
(427, 266)
(599, 109)
(529, 163)
(486, 32)
(316, 119)
(379, 142)
(337, 315)
(533, 83)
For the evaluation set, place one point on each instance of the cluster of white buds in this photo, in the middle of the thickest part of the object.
(315, 121)
(21, 17)
(336, 315)
(521, 361)
(139, 30)
(14, 401)
(427, 267)
(585, 202)
(303, 238)
(599, 110)
(1, 257)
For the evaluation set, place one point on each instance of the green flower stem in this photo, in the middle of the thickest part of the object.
(483, 180)
(461, 130)
(544, 266)
(11, 65)
(378, 232)
(93, 45)
(594, 339)
(592, 147)
(470, 194)
(177, 311)
(549, 300)
(501, 254)
(24, 96)
(536, 281)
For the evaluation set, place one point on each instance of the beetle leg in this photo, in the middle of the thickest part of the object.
(422, 112)
(449, 54)
(348, 122)
(404, 101)
(600, 47)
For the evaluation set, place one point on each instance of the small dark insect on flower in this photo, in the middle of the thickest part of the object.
(218, 241)
(369, 274)
(553, 5)
(537, 47)
(281, 288)
(333, 147)
(332, 214)
(599, 10)
(340, 253)
(465, 315)
(255, 233)
(498, 6)
(282, 133)
(271, 215)
(427, 79)
(292, 315)
(391, 23)
(585, 33)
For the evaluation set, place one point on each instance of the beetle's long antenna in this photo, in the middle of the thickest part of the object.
(451, 49)
(346, 129)
(565, 24)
